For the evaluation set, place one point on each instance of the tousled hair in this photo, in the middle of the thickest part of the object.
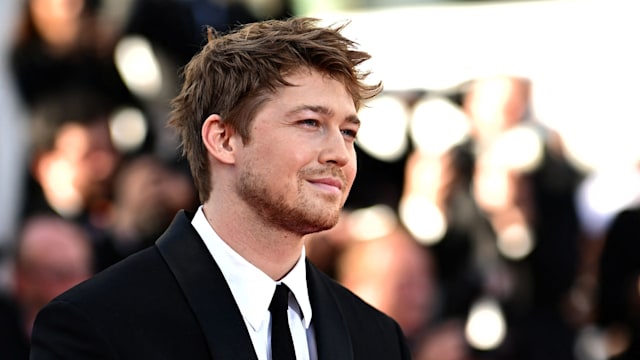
(235, 73)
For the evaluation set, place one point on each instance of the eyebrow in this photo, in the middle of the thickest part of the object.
(324, 111)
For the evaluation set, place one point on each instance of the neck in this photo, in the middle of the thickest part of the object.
(270, 249)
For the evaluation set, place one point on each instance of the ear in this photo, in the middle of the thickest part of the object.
(220, 139)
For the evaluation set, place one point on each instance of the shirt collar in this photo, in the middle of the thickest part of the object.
(296, 281)
(252, 289)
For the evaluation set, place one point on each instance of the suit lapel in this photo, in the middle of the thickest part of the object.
(206, 291)
(332, 336)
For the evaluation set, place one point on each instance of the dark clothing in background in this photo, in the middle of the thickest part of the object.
(14, 344)
(618, 297)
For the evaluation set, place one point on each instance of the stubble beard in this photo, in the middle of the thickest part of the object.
(302, 216)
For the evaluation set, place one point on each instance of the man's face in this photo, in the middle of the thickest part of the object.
(298, 167)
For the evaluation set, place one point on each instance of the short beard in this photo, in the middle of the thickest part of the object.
(300, 217)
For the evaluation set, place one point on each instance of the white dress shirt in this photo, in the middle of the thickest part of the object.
(252, 290)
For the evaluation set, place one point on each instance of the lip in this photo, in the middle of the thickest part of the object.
(328, 182)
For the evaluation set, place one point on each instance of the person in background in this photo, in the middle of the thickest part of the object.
(146, 195)
(394, 274)
(52, 255)
(62, 46)
(268, 119)
(72, 164)
(527, 199)
(495, 195)
(73, 158)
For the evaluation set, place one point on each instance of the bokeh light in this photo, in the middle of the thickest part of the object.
(486, 327)
(437, 125)
(384, 126)
(138, 66)
(128, 129)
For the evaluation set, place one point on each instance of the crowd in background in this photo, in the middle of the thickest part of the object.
(90, 194)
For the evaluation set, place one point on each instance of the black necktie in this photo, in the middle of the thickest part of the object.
(281, 342)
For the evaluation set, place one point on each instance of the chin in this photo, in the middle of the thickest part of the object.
(318, 223)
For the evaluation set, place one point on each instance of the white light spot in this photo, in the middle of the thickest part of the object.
(383, 133)
(515, 241)
(423, 219)
(437, 125)
(128, 129)
(138, 66)
(372, 223)
(486, 327)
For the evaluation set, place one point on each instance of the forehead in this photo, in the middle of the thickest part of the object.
(315, 88)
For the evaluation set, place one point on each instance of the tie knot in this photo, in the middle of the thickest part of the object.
(280, 301)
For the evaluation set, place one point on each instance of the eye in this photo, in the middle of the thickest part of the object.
(349, 133)
(309, 122)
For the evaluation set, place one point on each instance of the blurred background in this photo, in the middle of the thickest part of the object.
(496, 212)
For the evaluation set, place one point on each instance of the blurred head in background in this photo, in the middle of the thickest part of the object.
(74, 158)
(394, 274)
(147, 194)
(59, 23)
(53, 254)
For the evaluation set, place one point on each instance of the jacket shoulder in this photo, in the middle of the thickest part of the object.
(372, 333)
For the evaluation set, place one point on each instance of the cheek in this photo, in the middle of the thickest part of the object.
(349, 172)
(351, 169)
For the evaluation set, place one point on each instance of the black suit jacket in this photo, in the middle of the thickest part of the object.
(171, 301)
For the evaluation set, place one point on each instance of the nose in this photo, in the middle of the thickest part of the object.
(335, 149)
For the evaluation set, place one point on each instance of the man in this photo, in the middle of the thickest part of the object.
(268, 119)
